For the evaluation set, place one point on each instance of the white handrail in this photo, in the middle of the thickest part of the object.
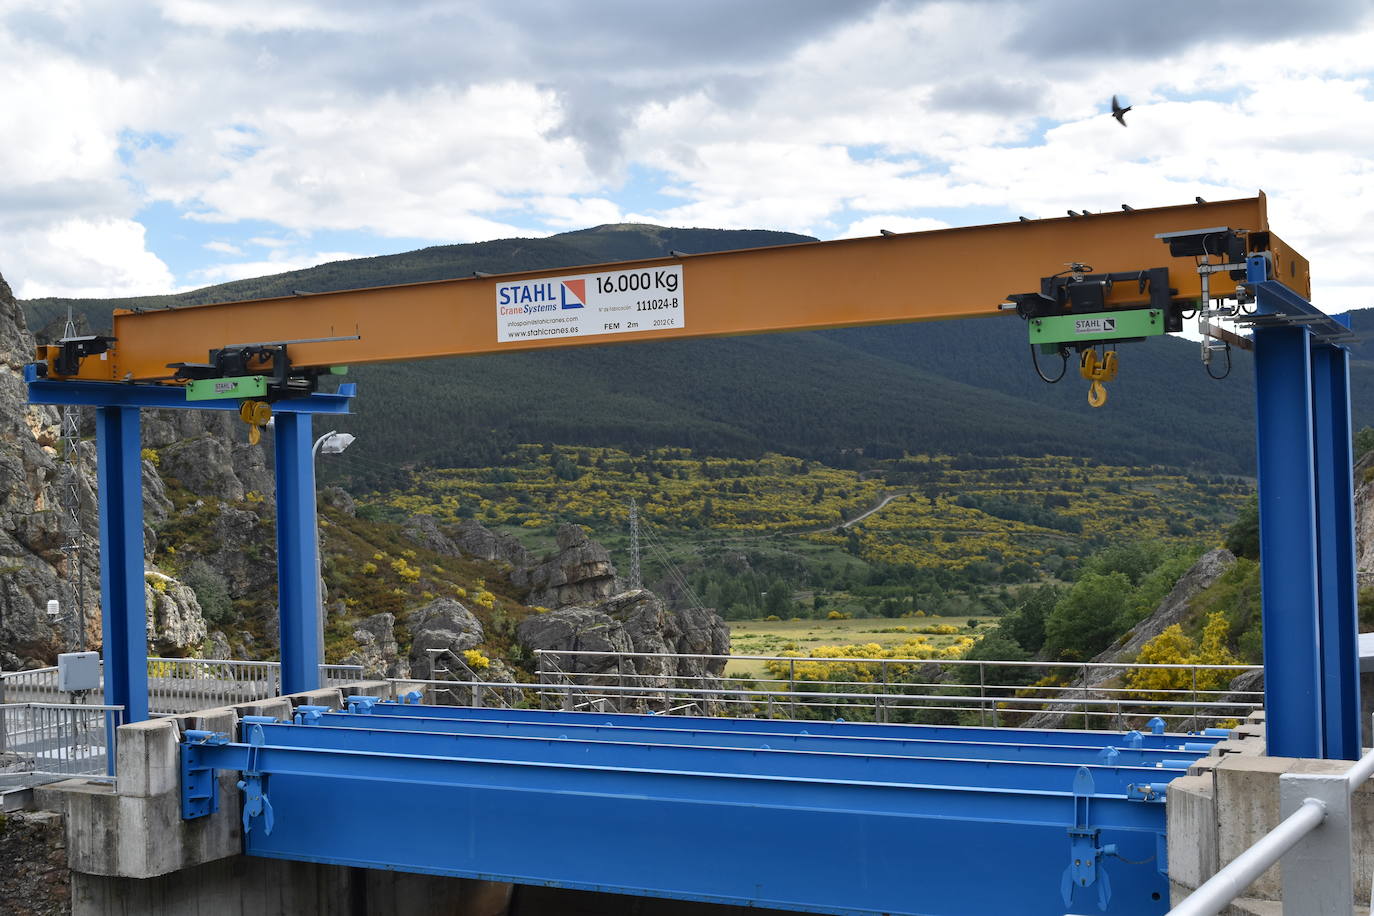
(1218, 891)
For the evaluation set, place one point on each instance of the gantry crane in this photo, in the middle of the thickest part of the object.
(1083, 284)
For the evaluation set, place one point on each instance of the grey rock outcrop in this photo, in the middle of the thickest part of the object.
(634, 622)
(580, 573)
(217, 645)
(442, 624)
(477, 541)
(208, 452)
(238, 543)
(577, 629)
(339, 498)
(424, 530)
(33, 567)
(204, 466)
(1175, 607)
(176, 626)
(378, 652)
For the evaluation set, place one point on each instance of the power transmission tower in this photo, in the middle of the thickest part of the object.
(636, 577)
(69, 496)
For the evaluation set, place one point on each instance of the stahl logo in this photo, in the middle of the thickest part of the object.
(574, 294)
(1094, 325)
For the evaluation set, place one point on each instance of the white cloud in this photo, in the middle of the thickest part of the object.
(873, 225)
(85, 258)
(271, 122)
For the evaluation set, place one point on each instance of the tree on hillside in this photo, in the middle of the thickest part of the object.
(995, 646)
(1085, 621)
(1242, 538)
(1026, 624)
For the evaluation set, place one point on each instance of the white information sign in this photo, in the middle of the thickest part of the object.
(583, 305)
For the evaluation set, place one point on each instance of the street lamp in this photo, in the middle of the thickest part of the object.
(331, 443)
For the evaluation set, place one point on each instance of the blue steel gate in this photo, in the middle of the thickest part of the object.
(826, 817)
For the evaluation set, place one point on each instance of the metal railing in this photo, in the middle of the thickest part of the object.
(989, 693)
(40, 741)
(1313, 843)
(442, 674)
(178, 685)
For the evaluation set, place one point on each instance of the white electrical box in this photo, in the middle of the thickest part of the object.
(78, 671)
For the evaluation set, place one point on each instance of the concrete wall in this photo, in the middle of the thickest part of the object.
(130, 852)
(1230, 800)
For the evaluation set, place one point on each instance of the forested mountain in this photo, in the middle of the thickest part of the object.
(949, 387)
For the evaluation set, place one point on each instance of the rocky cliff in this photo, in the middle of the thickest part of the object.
(33, 566)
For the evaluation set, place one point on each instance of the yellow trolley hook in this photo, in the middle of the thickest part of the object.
(1097, 371)
(255, 414)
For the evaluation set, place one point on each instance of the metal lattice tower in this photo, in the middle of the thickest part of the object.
(636, 576)
(69, 497)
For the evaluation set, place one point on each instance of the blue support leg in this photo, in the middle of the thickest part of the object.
(1338, 610)
(123, 611)
(298, 586)
(1288, 543)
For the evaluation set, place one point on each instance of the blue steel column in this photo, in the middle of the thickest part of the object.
(124, 625)
(1338, 611)
(1288, 540)
(297, 581)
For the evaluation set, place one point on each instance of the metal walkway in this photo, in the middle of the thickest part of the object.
(828, 817)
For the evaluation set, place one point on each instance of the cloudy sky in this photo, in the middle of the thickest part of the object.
(150, 147)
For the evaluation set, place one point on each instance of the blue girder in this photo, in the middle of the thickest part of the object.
(724, 810)
(829, 728)
(1008, 748)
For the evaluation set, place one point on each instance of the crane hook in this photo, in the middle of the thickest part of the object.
(255, 414)
(1097, 371)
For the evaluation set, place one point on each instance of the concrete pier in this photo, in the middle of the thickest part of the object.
(1229, 800)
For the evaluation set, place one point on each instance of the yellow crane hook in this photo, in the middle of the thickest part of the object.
(255, 414)
(1097, 371)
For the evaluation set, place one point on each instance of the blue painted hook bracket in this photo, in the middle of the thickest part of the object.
(1084, 850)
(199, 783)
(254, 786)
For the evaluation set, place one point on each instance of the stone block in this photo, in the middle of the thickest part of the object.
(148, 762)
(366, 689)
(277, 707)
(1192, 829)
(1247, 807)
(222, 720)
(325, 696)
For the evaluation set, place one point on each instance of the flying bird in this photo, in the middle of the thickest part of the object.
(1118, 112)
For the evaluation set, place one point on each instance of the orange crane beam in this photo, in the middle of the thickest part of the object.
(920, 276)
